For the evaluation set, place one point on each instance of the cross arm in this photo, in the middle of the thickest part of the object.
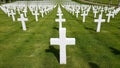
(70, 41)
(54, 41)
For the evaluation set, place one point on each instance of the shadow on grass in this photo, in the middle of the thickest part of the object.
(118, 27)
(56, 28)
(93, 65)
(79, 20)
(115, 51)
(22, 27)
(92, 17)
(90, 28)
(54, 51)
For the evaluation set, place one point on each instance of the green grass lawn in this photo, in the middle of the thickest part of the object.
(113, 2)
(32, 49)
(107, 1)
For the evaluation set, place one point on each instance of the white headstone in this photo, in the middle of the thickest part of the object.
(62, 41)
(8, 12)
(95, 12)
(60, 20)
(36, 15)
(18, 10)
(25, 12)
(12, 14)
(73, 10)
(45, 10)
(77, 12)
(84, 15)
(99, 20)
(59, 10)
(109, 15)
(102, 11)
(42, 13)
(22, 19)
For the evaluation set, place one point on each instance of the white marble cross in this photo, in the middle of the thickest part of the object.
(77, 12)
(36, 15)
(42, 13)
(22, 19)
(18, 10)
(84, 14)
(32, 11)
(99, 20)
(95, 12)
(8, 12)
(45, 10)
(73, 10)
(25, 11)
(106, 9)
(102, 11)
(12, 14)
(109, 15)
(62, 41)
(60, 20)
(59, 10)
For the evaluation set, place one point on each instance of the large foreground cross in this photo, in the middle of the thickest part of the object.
(62, 41)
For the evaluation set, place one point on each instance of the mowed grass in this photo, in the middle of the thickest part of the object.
(115, 2)
(112, 2)
(32, 49)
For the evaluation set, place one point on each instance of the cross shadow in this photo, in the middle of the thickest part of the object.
(92, 17)
(93, 65)
(89, 28)
(79, 20)
(115, 51)
(118, 27)
(54, 51)
(22, 27)
(56, 28)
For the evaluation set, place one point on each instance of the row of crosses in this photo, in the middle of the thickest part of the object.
(62, 41)
(85, 13)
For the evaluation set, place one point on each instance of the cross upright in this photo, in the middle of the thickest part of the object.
(8, 12)
(32, 9)
(36, 15)
(106, 9)
(12, 14)
(62, 41)
(99, 20)
(77, 12)
(22, 19)
(25, 11)
(84, 14)
(102, 11)
(60, 20)
(42, 13)
(109, 15)
(45, 10)
(73, 10)
(95, 12)
(18, 10)
(59, 10)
